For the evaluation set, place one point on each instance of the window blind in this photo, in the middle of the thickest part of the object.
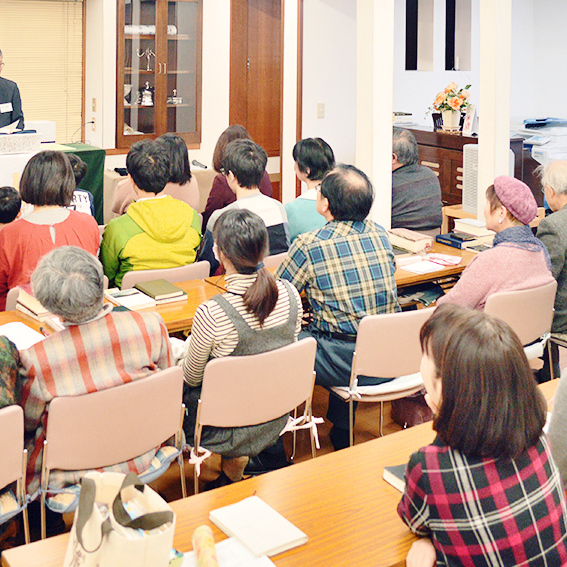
(42, 45)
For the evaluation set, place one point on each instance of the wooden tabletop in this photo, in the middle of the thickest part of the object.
(179, 316)
(403, 277)
(339, 500)
(17, 316)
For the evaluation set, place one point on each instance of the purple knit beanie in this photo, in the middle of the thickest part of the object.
(517, 197)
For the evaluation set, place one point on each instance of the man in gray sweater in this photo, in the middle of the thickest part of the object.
(552, 231)
(416, 194)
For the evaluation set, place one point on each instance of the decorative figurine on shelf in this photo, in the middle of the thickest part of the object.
(148, 52)
(146, 97)
(176, 99)
(127, 94)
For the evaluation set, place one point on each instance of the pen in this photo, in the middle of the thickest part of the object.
(44, 332)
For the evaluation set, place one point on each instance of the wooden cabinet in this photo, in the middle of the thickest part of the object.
(158, 70)
(443, 153)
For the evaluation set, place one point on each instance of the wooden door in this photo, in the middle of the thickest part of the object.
(256, 70)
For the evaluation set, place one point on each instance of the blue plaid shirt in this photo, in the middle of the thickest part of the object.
(347, 271)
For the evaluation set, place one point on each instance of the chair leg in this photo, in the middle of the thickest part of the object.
(294, 433)
(26, 522)
(381, 419)
(350, 422)
(42, 516)
(181, 464)
(195, 481)
(549, 345)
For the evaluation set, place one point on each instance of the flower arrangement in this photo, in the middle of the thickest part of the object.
(452, 98)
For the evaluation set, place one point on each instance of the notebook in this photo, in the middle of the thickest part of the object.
(258, 526)
(396, 476)
(131, 298)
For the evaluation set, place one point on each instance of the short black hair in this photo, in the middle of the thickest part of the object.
(179, 168)
(349, 192)
(10, 204)
(80, 168)
(48, 179)
(315, 156)
(247, 161)
(148, 164)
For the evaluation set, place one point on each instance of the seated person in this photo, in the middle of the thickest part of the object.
(182, 184)
(256, 314)
(47, 183)
(157, 231)
(244, 165)
(10, 205)
(347, 271)
(518, 260)
(98, 349)
(221, 194)
(487, 490)
(416, 194)
(313, 158)
(83, 200)
(552, 231)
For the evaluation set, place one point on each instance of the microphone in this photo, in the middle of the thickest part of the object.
(198, 164)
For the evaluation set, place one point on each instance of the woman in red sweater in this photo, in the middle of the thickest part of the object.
(48, 184)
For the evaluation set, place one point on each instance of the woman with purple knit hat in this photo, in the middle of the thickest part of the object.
(517, 260)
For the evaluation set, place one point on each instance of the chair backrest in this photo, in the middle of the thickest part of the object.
(196, 271)
(11, 444)
(12, 298)
(529, 311)
(275, 260)
(248, 390)
(387, 345)
(114, 425)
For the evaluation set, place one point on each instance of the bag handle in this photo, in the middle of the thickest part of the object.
(86, 504)
(146, 522)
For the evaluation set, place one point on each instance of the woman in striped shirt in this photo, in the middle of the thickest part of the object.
(256, 314)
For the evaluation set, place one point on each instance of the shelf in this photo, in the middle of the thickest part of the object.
(139, 36)
(130, 71)
(178, 37)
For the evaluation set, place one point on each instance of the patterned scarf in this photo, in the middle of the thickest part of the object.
(522, 237)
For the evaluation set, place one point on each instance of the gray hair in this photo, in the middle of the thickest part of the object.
(68, 281)
(404, 146)
(554, 174)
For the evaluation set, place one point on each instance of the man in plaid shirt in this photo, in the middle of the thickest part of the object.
(347, 271)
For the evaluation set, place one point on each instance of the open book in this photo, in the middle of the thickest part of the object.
(11, 128)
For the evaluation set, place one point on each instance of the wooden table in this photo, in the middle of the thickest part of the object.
(403, 277)
(339, 500)
(17, 316)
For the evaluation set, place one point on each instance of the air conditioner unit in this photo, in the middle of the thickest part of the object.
(470, 176)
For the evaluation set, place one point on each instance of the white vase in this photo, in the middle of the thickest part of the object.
(451, 120)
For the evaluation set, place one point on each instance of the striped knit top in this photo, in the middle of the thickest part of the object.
(213, 335)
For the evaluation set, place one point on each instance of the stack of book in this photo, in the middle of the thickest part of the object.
(29, 305)
(410, 240)
(469, 234)
(162, 291)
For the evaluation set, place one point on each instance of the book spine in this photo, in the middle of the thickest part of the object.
(442, 239)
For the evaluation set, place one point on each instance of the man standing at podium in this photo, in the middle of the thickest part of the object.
(10, 101)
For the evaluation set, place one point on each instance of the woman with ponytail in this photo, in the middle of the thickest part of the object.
(256, 314)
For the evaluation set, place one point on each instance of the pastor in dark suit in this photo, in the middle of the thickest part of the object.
(10, 102)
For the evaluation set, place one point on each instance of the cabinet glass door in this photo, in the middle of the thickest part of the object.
(182, 63)
(140, 67)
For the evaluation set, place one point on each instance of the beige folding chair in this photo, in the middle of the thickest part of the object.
(387, 346)
(275, 260)
(12, 298)
(113, 426)
(13, 467)
(195, 271)
(529, 312)
(240, 391)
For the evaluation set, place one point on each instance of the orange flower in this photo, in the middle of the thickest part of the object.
(439, 99)
(454, 102)
(465, 94)
(451, 87)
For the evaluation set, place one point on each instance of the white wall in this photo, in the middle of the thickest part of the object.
(329, 74)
